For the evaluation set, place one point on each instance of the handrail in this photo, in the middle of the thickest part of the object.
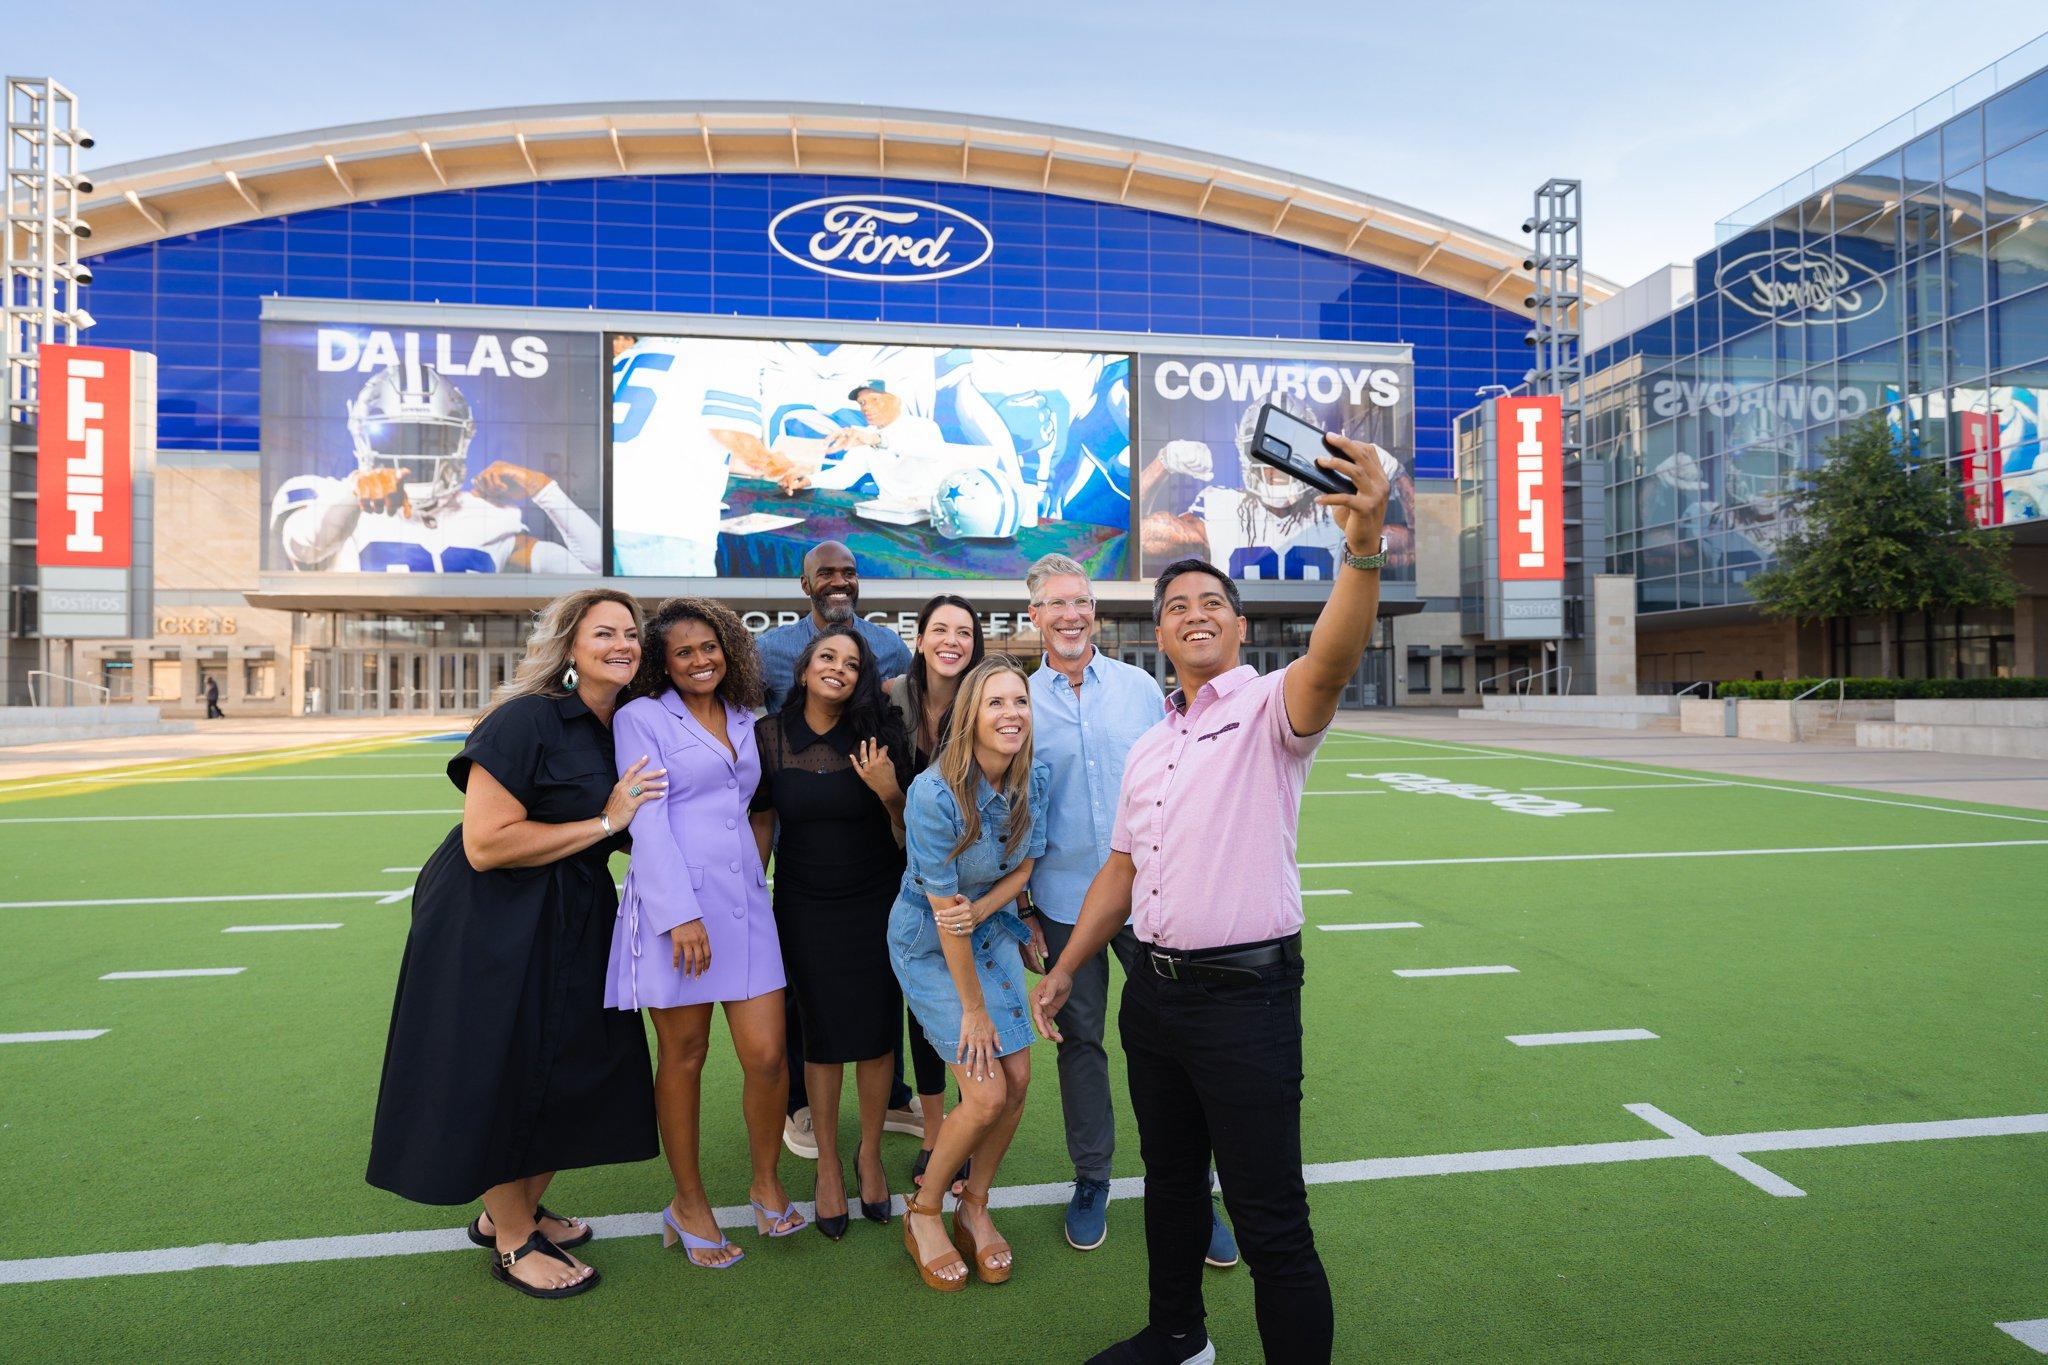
(1841, 695)
(1501, 679)
(1687, 689)
(1522, 687)
(106, 693)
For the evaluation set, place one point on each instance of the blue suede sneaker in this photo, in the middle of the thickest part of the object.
(1222, 1244)
(1088, 1216)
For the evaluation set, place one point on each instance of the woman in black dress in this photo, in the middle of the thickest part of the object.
(503, 1065)
(832, 779)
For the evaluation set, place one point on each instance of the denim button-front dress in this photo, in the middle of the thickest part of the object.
(932, 826)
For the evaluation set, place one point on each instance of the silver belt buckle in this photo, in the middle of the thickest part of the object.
(1163, 965)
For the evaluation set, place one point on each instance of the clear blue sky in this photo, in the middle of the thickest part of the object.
(1673, 115)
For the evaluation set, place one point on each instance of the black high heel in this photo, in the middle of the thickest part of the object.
(873, 1212)
(832, 1225)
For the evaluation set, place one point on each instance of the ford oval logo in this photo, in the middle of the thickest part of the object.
(880, 237)
(1801, 288)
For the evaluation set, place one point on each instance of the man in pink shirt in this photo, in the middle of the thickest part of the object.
(1202, 866)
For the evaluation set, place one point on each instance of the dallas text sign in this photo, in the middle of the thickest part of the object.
(83, 508)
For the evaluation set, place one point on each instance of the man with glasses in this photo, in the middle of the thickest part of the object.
(1087, 712)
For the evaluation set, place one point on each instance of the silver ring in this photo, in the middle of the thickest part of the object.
(633, 790)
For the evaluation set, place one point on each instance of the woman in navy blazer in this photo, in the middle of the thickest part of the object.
(695, 927)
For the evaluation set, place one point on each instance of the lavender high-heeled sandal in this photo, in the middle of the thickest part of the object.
(766, 1220)
(671, 1230)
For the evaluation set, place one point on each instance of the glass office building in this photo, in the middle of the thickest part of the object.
(1912, 283)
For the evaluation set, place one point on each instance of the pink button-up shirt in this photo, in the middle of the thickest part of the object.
(1208, 812)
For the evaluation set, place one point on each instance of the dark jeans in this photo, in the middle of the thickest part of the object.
(1217, 1068)
(899, 1093)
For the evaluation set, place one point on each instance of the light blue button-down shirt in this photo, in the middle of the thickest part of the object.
(1084, 737)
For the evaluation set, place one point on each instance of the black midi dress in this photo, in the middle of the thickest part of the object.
(837, 871)
(502, 1061)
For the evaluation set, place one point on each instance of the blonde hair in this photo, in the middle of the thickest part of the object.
(959, 771)
(547, 649)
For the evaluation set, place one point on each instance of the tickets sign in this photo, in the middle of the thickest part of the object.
(84, 513)
(1531, 520)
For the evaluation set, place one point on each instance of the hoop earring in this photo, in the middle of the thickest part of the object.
(569, 679)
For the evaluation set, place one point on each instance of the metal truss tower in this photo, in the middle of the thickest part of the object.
(1556, 266)
(39, 267)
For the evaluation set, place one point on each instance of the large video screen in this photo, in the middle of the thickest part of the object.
(1201, 494)
(396, 450)
(732, 457)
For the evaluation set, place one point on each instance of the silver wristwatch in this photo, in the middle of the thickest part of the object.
(1357, 561)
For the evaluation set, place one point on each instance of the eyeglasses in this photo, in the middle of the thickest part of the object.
(1059, 604)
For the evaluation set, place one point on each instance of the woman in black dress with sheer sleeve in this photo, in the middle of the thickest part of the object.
(503, 1065)
(832, 778)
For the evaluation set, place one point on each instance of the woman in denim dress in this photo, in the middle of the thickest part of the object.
(974, 823)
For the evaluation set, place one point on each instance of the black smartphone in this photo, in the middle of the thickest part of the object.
(1291, 445)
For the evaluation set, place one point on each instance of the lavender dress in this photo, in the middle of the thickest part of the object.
(693, 859)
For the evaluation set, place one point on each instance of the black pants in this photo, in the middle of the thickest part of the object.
(1217, 1068)
(930, 1070)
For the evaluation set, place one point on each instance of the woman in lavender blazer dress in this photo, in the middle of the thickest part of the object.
(695, 926)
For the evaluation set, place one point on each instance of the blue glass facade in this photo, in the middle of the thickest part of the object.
(1916, 286)
(700, 244)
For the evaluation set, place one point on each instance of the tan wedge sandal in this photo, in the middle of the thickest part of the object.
(973, 1250)
(928, 1270)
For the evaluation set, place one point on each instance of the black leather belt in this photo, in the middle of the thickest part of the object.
(1239, 963)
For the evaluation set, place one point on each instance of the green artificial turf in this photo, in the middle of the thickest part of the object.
(1798, 991)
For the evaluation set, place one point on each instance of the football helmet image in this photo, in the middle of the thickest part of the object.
(976, 503)
(1276, 488)
(410, 418)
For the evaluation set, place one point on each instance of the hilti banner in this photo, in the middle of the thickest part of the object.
(1531, 473)
(83, 503)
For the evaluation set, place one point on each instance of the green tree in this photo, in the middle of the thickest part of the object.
(1873, 532)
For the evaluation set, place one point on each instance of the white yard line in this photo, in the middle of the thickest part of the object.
(274, 928)
(1467, 750)
(1674, 853)
(265, 777)
(1629, 787)
(1346, 791)
(235, 815)
(1598, 1035)
(2033, 1332)
(1337, 891)
(68, 1035)
(1453, 971)
(1733, 1163)
(1352, 928)
(166, 974)
(402, 869)
(302, 1250)
(202, 900)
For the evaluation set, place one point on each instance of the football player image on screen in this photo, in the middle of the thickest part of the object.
(686, 416)
(1270, 526)
(409, 505)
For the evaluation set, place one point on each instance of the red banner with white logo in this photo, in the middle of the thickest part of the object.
(1983, 467)
(1531, 465)
(83, 502)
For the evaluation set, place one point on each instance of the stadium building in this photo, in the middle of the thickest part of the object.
(413, 378)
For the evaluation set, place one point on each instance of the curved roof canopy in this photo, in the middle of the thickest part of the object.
(143, 201)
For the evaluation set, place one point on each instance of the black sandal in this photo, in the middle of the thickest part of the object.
(501, 1270)
(540, 1211)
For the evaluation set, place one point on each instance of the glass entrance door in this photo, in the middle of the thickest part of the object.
(405, 682)
(359, 675)
(457, 681)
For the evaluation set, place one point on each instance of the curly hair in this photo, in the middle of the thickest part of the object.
(741, 685)
(868, 713)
